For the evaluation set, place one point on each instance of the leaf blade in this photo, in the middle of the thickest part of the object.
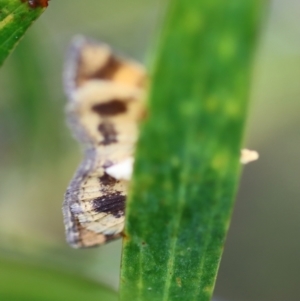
(15, 18)
(187, 163)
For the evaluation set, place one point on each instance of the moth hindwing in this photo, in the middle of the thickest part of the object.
(105, 103)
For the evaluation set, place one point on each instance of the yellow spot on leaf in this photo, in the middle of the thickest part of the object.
(194, 22)
(208, 289)
(220, 161)
(233, 109)
(6, 21)
(227, 47)
(178, 281)
(212, 104)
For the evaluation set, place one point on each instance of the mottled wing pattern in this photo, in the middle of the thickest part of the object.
(105, 104)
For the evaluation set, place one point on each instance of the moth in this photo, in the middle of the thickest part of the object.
(105, 94)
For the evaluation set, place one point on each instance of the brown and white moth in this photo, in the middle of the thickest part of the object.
(105, 103)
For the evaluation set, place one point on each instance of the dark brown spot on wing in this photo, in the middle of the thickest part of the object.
(113, 203)
(107, 163)
(108, 70)
(110, 108)
(108, 132)
(107, 180)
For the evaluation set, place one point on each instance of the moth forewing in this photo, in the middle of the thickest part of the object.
(105, 104)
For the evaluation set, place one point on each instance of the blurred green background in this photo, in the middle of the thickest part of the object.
(38, 155)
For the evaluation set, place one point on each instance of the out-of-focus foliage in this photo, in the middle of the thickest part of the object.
(38, 156)
(21, 281)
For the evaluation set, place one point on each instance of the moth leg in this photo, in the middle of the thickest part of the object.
(121, 170)
(248, 156)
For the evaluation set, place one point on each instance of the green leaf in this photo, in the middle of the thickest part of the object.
(21, 281)
(15, 17)
(187, 164)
